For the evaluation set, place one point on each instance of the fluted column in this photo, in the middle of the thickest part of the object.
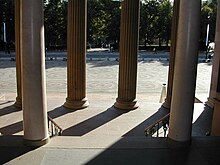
(76, 63)
(18, 102)
(129, 34)
(215, 63)
(184, 80)
(175, 19)
(33, 73)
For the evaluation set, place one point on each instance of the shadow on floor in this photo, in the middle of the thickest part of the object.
(12, 147)
(12, 128)
(58, 112)
(157, 151)
(202, 125)
(9, 109)
(139, 129)
(93, 122)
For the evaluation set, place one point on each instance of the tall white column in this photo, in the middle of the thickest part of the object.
(128, 55)
(184, 81)
(33, 73)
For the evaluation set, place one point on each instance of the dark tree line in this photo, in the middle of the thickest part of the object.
(208, 16)
(103, 23)
(7, 18)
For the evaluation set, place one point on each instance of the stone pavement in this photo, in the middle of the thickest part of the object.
(102, 78)
(101, 133)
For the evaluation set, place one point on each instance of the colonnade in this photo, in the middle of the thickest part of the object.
(30, 64)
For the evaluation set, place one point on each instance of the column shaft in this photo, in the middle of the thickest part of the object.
(18, 102)
(76, 63)
(129, 36)
(184, 80)
(33, 73)
(214, 96)
(175, 19)
(215, 63)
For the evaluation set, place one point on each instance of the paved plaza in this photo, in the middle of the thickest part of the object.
(102, 78)
(100, 133)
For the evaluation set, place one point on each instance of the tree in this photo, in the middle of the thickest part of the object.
(148, 21)
(208, 17)
(55, 15)
(7, 16)
(103, 21)
(164, 21)
(114, 11)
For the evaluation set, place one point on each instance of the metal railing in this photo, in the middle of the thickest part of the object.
(53, 128)
(159, 128)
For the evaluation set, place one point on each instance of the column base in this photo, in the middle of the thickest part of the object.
(210, 102)
(123, 105)
(18, 102)
(36, 143)
(166, 105)
(76, 104)
(178, 144)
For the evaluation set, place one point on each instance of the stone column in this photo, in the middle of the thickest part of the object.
(33, 73)
(76, 63)
(184, 80)
(175, 19)
(215, 63)
(18, 102)
(129, 35)
(214, 95)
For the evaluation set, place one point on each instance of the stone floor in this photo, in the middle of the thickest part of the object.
(102, 78)
(101, 134)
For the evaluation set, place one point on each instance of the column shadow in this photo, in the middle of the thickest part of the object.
(6, 102)
(133, 149)
(93, 122)
(142, 152)
(59, 111)
(12, 147)
(203, 124)
(9, 109)
(12, 128)
(139, 129)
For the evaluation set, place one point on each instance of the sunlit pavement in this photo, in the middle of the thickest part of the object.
(101, 133)
(102, 78)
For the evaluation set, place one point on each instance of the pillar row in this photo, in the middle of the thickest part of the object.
(76, 47)
(33, 73)
(18, 102)
(129, 32)
(184, 80)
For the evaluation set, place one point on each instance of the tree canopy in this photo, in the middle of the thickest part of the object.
(103, 22)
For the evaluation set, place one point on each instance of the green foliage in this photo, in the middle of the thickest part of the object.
(55, 16)
(103, 23)
(7, 16)
(208, 16)
(155, 21)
